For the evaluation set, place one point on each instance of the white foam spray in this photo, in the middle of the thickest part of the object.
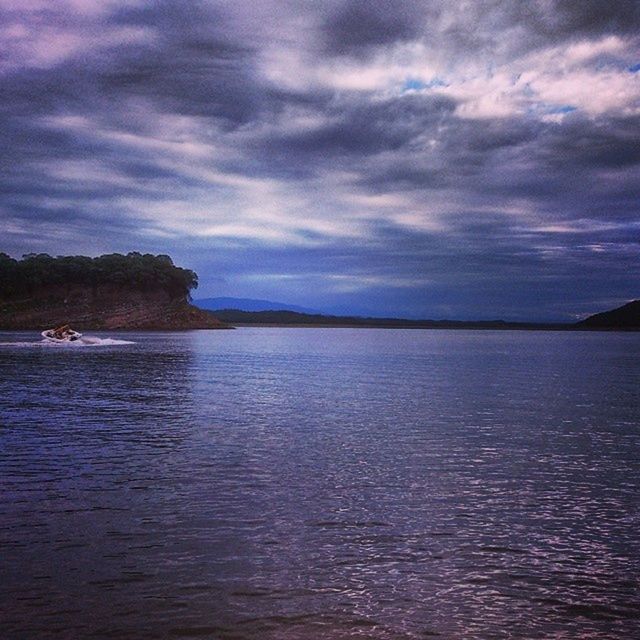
(85, 341)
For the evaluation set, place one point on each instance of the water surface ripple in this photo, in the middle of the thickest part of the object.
(321, 483)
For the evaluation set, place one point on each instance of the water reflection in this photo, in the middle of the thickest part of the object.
(323, 484)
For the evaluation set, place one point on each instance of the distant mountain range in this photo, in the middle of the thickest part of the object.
(249, 304)
(625, 317)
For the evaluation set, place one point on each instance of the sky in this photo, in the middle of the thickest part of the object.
(464, 159)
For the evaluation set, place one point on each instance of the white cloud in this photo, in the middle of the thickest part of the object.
(589, 74)
(553, 78)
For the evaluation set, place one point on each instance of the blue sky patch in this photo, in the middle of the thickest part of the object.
(567, 108)
(414, 84)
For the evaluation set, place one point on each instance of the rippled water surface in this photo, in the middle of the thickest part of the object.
(321, 483)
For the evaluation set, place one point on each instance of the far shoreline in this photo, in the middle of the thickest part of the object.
(558, 328)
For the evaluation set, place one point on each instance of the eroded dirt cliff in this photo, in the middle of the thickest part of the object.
(103, 307)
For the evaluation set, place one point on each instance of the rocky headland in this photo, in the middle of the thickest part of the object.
(110, 292)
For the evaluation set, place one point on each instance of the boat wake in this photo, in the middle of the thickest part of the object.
(85, 341)
(92, 341)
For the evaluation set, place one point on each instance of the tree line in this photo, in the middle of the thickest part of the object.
(135, 270)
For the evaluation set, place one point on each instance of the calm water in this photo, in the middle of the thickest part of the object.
(321, 483)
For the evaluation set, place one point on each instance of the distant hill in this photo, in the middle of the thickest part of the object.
(291, 318)
(249, 304)
(625, 317)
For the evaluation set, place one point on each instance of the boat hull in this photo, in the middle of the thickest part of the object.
(71, 336)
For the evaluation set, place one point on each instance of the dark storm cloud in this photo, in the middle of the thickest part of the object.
(493, 28)
(361, 127)
(203, 78)
(565, 18)
(188, 64)
(610, 144)
(368, 151)
(358, 25)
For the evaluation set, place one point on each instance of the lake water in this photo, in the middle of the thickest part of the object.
(321, 484)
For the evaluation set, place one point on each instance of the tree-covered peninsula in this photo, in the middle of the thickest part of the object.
(114, 291)
(133, 270)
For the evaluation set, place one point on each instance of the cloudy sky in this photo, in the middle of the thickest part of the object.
(461, 159)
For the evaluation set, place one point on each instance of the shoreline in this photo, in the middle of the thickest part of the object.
(438, 328)
(470, 327)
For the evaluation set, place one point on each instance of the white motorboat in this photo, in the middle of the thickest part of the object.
(63, 334)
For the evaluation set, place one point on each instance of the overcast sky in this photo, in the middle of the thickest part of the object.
(461, 159)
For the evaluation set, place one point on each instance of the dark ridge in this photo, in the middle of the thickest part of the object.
(624, 317)
(292, 318)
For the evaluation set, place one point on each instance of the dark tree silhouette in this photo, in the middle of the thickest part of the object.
(136, 270)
